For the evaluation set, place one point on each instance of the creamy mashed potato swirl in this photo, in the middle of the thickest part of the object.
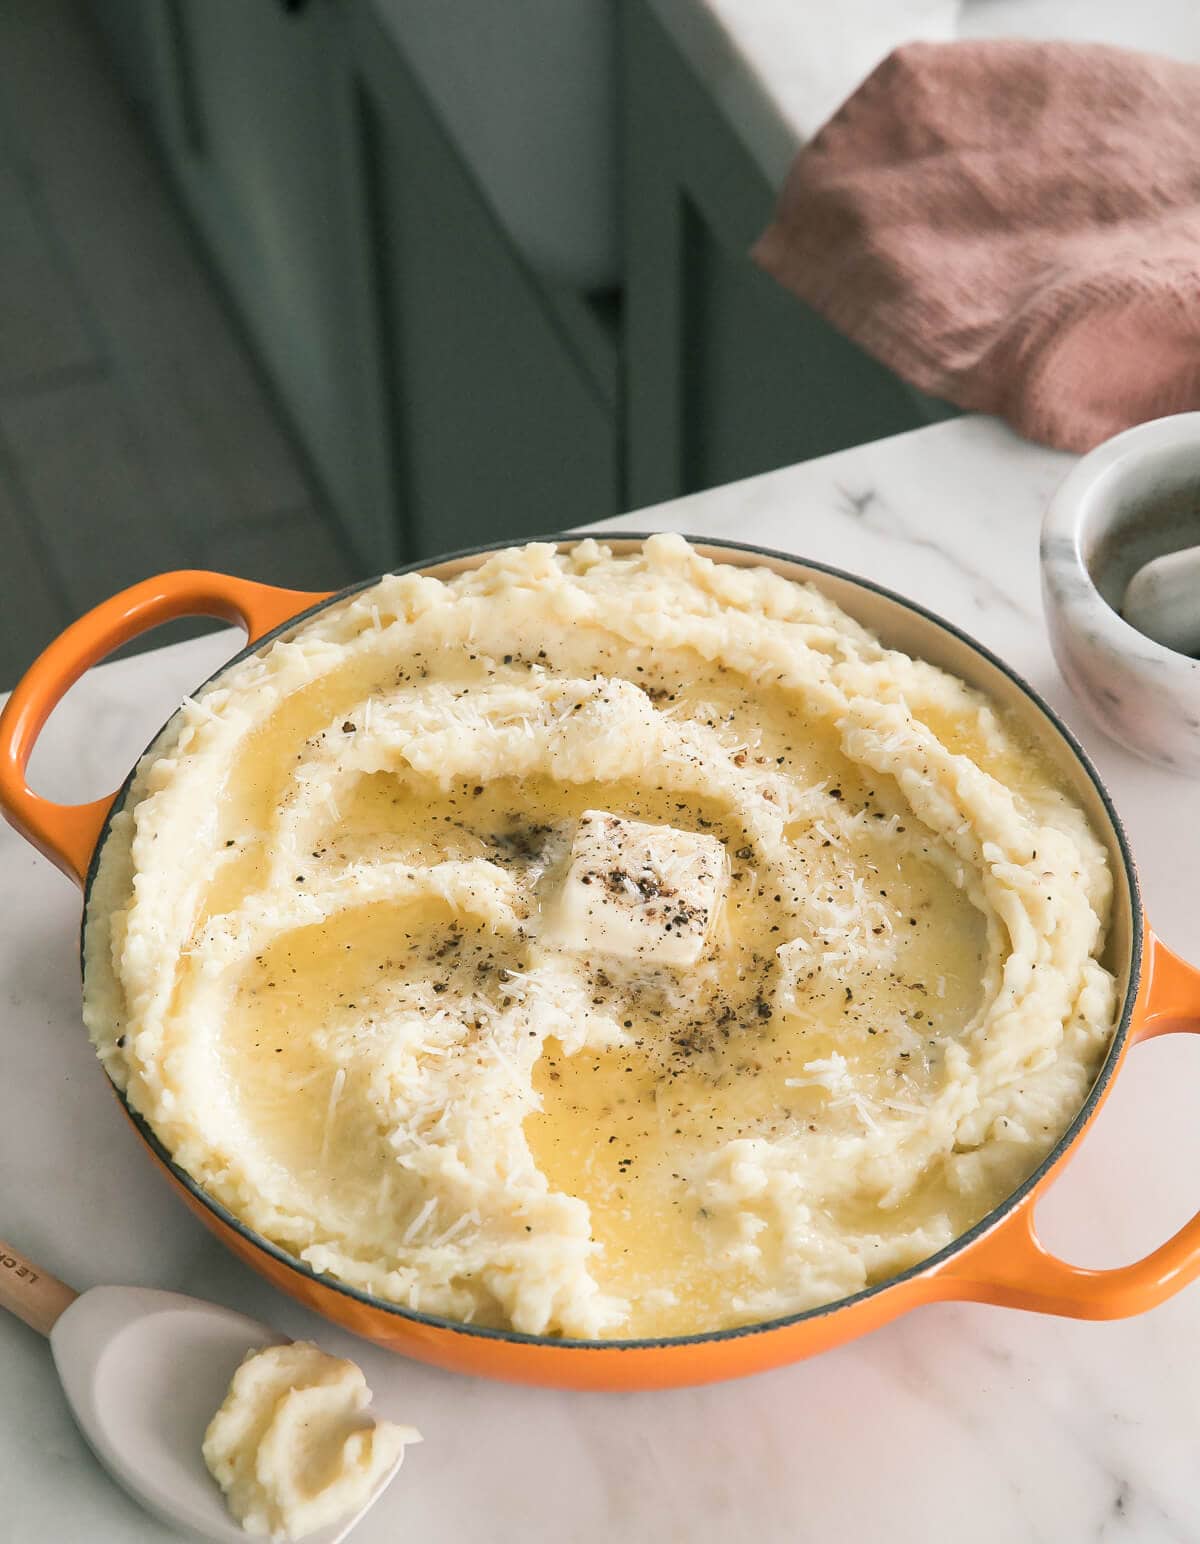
(337, 954)
(294, 1446)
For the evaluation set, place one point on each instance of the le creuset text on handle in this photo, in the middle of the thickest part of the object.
(32, 1294)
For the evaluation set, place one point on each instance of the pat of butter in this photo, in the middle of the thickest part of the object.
(646, 893)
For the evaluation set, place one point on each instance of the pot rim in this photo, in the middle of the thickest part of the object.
(931, 1263)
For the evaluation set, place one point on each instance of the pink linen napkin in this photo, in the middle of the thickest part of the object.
(1013, 226)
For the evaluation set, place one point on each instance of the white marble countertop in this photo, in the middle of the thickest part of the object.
(778, 68)
(963, 1423)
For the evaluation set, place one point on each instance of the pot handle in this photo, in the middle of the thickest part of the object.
(1011, 1267)
(67, 833)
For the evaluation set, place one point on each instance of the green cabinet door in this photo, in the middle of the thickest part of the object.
(251, 99)
(726, 374)
(498, 425)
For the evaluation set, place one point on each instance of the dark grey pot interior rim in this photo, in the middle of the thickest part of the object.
(922, 1267)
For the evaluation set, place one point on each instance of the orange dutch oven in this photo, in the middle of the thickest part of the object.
(1000, 1260)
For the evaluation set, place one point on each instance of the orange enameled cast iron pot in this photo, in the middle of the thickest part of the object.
(998, 1261)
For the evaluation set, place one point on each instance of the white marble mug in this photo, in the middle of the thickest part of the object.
(1131, 499)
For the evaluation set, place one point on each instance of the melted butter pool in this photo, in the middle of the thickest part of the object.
(712, 1056)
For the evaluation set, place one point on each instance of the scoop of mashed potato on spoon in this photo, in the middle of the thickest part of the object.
(294, 1447)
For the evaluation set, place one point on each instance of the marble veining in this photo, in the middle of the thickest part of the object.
(959, 1422)
(874, 513)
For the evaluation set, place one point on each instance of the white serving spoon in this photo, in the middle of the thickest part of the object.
(144, 1372)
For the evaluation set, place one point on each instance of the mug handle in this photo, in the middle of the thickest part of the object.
(67, 833)
(1011, 1267)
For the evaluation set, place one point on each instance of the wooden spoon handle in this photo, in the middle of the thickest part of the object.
(30, 1292)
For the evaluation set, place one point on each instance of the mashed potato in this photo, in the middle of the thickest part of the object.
(293, 1445)
(599, 946)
